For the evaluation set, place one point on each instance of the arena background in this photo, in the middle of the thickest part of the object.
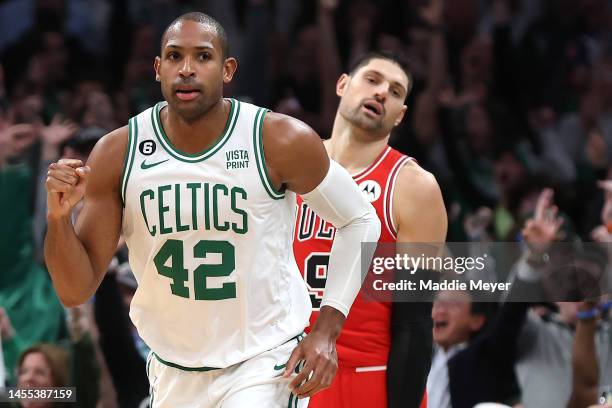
(510, 98)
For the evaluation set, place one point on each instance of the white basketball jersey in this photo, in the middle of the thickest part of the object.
(210, 244)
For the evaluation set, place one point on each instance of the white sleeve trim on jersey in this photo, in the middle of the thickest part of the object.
(337, 199)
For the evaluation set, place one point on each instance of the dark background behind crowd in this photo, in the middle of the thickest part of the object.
(512, 101)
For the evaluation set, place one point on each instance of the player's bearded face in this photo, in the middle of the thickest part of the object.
(373, 98)
(369, 114)
(188, 97)
(191, 70)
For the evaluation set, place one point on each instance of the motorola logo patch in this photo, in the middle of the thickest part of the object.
(370, 189)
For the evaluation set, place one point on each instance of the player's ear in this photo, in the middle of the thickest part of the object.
(341, 84)
(229, 67)
(156, 65)
(401, 115)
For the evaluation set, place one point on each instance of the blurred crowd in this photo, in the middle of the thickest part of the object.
(511, 110)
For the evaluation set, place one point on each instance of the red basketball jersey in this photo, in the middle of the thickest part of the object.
(365, 337)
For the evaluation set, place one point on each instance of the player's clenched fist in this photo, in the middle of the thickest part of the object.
(66, 181)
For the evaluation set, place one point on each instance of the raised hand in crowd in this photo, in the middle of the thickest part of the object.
(543, 228)
(476, 224)
(606, 211)
(603, 232)
(15, 140)
(6, 328)
(433, 13)
(79, 321)
(53, 135)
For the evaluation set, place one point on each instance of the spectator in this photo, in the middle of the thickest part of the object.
(585, 365)
(468, 367)
(42, 366)
(51, 358)
(544, 343)
(68, 363)
(26, 293)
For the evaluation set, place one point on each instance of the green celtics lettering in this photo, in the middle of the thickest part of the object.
(213, 207)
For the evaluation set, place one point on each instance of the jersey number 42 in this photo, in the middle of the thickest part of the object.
(172, 251)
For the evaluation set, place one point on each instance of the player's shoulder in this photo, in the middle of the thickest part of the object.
(115, 138)
(294, 153)
(418, 208)
(286, 130)
(112, 146)
(414, 182)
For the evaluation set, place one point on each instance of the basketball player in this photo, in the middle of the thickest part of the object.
(203, 189)
(385, 349)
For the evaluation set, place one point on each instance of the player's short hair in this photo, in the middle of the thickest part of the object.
(397, 59)
(207, 21)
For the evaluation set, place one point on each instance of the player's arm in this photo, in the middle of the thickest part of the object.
(585, 367)
(418, 207)
(77, 257)
(420, 218)
(297, 160)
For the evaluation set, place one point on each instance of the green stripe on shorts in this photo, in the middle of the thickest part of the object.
(180, 367)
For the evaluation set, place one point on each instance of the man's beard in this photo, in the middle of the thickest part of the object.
(191, 114)
(357, 118)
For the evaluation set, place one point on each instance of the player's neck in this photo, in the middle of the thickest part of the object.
(352, 150)
(195, 136)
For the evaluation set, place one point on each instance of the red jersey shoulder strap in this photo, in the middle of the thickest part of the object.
(389, 190)
(383, 171)
(375, 164)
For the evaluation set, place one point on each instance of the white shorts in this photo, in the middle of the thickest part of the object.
(256, 382)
